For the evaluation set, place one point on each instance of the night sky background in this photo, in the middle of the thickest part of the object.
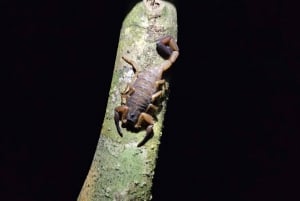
(232, 123)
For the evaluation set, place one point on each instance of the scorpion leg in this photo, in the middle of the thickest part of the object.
(144, 117)
(160, 82)
(120, 111)
(126, 93)
(128, 90)
(161, 92)
(151, 108)
(156, 95)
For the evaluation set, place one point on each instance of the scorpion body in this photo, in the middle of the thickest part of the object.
(138, 99)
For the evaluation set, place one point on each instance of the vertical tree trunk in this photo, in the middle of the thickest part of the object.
(120, 170)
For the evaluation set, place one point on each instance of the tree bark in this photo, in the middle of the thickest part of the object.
(120, 170)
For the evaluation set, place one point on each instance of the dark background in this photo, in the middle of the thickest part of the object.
(232, 124)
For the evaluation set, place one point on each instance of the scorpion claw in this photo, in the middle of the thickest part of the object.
(117, 118)
(149, 135)
(137, 126)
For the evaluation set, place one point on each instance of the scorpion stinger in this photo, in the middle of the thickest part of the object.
(139, 98)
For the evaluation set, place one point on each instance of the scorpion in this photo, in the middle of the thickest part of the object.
(139, 97)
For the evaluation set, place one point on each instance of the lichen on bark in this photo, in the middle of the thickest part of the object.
(120, 170)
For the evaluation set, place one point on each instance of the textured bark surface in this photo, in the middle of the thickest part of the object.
(120, 170)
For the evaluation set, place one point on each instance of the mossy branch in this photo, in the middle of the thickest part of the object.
(120, 170)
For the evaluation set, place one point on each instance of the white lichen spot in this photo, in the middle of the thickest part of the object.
(118, 166)
(128, 74)
(107, 192)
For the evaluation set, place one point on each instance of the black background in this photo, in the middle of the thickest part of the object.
(232, 124)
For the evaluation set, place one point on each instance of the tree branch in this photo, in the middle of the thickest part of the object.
(120, 170)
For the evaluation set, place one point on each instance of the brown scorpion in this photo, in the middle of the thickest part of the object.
(139, 97)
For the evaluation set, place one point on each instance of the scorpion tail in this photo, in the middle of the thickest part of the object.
(166, 46)
(163, 50)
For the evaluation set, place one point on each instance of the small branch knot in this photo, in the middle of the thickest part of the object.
(153, 5)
